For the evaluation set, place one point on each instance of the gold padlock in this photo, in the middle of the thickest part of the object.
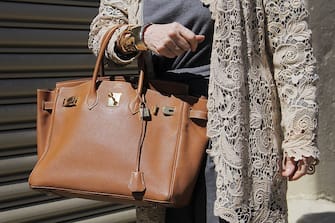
(114, 99)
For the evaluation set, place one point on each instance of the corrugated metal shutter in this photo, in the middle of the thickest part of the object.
(41, 42)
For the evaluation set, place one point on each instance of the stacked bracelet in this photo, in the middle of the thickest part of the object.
(131, 39)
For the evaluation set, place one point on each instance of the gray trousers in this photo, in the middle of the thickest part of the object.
(201, 207)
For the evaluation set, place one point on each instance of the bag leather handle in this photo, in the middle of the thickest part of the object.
(92, 98)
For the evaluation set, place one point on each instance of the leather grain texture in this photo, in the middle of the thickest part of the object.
(89, 147)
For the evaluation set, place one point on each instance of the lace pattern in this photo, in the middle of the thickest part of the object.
(111, 13)
(261, 100)
(259, 109)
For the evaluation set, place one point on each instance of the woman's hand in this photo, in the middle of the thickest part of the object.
(171, 40)
(294, 170)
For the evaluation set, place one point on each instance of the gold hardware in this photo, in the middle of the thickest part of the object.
(114, 99)
(131, 39)
(168, 110)
(70, 102)
(155, 110)
(144, 112)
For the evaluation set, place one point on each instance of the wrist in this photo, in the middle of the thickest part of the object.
(131, 40)
(143, 29)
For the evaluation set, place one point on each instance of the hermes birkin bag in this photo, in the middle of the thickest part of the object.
(107, 139)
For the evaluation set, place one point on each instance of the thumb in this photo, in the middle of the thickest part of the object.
(288, 167)
(200, 38)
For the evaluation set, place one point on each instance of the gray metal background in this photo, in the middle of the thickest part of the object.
(41, 42)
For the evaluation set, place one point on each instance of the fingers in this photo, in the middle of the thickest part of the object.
(183, 39)
(192, 39)
(169, 49)
(200, 38)
(174, 46)
(171, 39)
(310, 163)
(311, 166)
(294, 170)
(179, 41)
(300, 171)
(289, 167)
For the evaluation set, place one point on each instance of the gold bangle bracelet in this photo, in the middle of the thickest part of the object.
(131, 39)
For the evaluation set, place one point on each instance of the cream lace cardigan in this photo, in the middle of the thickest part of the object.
(261, 100)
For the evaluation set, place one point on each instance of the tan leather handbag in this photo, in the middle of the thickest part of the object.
(107, 140)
